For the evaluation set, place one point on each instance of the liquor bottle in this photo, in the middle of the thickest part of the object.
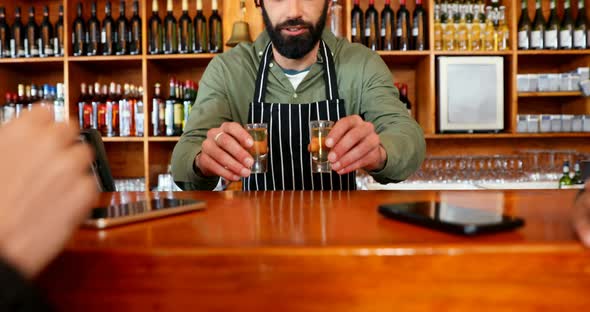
(503, 31)
(448, 33)
(108, 35)
(538, 30)
(358, 25)
(438, 31)
(21, 101)
(580, 31)
(112, 112)
(169, 113)
(170, 27)
(524, 27)
(552, 29)
(95, 101)
(155, 32)
(201, 39)
(9, 109)
(469, 12)
(419, 27)
(46, 37)
(577, 179)
(135, 31)
(31, 41)
(93, 37)
(132, 101)
(125, 115)
(565, 180)
(475, 40)
(121, 35)
(490, 35)
(336, 19)
(482, 13)
(59, 106)
(82, 121)
(566, 30)
(33, 96)
(443, 10)
(387, 27)
(58, 37)
(187, 104)
(102, 110)
(371, 27)
(178, 110)
(403, 27)
(215, 31)
(17, 48)
(79, 34)
(4, 35)
(185, 29)
(461, 35)
(139, 113)
(156, 99)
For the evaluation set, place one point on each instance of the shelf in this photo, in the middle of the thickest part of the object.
(110, 58)
(122, 139)
(199, 56)
(550, 94)
(554, 52)
(507, 135)
(164, 139)
(472, 53)
(403, 53)
(22, 60)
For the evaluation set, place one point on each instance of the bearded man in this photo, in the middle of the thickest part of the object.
(296, 72)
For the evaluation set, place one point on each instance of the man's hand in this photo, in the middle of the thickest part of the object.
(355, 145)
(224, 153)
(581, 217)
(46, 189)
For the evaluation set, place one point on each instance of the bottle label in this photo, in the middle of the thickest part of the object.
(26, 44)
(551, 39)
(12, 48)
(103, 37)
(178, 113)
(367, 32)
(536, 41)
(565, 39)
(169, 119)
(580, 39)
(523, 40)
(415, 31)
(399, 32)
(353, 31)
(383, 32)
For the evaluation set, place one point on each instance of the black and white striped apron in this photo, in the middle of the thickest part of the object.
(289, 163)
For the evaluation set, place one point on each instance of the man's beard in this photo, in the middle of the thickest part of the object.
(295, 47)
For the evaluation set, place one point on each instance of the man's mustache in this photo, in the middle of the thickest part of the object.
(293, 23)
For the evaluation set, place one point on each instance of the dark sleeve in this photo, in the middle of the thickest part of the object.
(17, 294)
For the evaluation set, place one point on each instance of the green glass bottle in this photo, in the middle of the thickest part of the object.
(552, 29)
(565, 180)
(567, 28)
(537, 38)
(524, 27)
(580, 32)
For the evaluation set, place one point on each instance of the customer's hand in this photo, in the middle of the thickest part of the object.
(355, 145)
(45, 189)
(224, 153)
(582, 215)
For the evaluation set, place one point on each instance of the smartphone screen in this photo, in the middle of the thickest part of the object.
(138, 208)
(447, 217)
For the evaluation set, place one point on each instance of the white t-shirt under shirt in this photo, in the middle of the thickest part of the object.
(296, 77)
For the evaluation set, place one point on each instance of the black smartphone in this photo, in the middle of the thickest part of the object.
(113, 215)
(449, 218)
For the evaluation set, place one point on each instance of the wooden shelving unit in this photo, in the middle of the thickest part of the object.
(550, 94)
(148, 156)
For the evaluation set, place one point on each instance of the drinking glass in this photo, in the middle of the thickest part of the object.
(259, 150)
(319, 151)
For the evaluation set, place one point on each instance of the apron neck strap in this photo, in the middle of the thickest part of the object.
(329, 73)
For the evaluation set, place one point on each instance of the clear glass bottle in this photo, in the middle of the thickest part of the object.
(336, 19)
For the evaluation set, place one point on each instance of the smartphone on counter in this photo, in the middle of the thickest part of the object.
(114, 215)
(449, 218)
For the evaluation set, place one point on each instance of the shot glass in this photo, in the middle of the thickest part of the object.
(319, 151)
(259, 150)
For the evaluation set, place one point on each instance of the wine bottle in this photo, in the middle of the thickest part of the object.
(524, 27)
(371, 27)
(552, 29)
(537, 33)
(403, 27)
(357, 31)
(215, 31)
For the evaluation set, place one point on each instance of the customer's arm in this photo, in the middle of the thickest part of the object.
(46, 190)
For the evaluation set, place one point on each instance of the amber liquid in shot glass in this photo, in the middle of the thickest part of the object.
(319, 151)
(259, 149)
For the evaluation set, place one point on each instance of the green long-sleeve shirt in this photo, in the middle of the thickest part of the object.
(364, 82)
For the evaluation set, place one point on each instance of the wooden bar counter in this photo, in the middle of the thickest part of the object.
(325, 251)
